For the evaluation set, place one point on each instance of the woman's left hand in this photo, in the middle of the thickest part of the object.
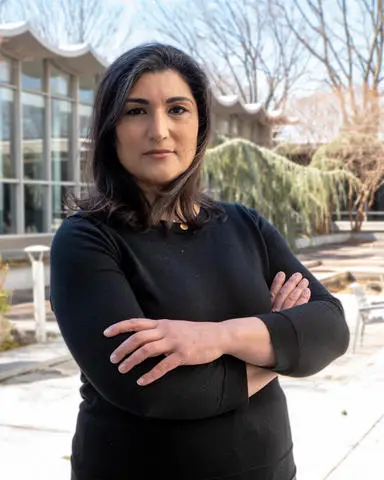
(183, 342)
(290, 293)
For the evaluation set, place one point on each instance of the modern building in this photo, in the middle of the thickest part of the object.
(46, 96)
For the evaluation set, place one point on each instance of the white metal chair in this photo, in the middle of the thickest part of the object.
(367, 312)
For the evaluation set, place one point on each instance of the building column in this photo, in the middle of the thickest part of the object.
(75, 134)
(18, 144)
(47, 146)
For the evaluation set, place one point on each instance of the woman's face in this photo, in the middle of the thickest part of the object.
(156, 138)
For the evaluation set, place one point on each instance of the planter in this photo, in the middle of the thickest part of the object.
(336, 238)
(5, 332)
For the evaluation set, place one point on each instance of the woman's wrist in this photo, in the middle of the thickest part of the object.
(247, 339)
(258, 378)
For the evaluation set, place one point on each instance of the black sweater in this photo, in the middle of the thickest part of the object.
(196, 422)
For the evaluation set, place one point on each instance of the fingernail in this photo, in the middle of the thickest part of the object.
(122, 368)
(113, 358)
(141, 381)
(107, 331)
(297, 275)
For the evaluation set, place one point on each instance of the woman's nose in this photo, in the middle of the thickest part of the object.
(159, 128)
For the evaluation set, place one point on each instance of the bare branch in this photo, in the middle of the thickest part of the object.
(349, 46)
(238, 39)
(102, 26)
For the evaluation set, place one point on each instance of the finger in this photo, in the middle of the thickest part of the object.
(131, 325)
(305, 296)
(134, 342)
(292, 298)
(277, 283)
(166, 365)
(153, 349)
(289, 286)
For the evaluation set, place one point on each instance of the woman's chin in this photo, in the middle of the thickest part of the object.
(159, 181)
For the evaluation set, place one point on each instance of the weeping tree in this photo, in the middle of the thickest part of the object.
(362, 156)
(291, 196)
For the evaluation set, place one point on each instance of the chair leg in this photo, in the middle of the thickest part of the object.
(362, 333)
(357, 327)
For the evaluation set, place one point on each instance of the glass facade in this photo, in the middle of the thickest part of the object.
(35, 207)
(5, 70)
(59, 82)
(32, 75)
(8, 210)
(86, 89)
(40, 138)
(7, 145)
(85, 113)
(61, 120)
(33, 136)
(59, 208)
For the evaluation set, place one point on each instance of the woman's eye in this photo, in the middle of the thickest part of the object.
(178, 110)
(135, 111)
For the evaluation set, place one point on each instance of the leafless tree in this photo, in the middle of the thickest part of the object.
(318, 118)
(242, 44)
(10, 11)
(346, 38)
(103, 25)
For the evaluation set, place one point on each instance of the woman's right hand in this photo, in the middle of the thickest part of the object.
(284, 295)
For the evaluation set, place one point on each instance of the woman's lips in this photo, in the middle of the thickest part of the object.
(159, 153)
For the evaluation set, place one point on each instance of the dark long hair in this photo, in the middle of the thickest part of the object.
(114, 192)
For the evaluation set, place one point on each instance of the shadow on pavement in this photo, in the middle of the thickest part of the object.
(65, 369)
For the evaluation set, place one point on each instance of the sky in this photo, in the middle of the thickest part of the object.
(141, 33)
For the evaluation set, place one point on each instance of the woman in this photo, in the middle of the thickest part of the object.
(163, 296)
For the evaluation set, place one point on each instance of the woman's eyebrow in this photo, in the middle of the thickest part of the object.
(143, 101)
(179, 99)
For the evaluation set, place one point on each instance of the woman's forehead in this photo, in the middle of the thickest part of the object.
(164, 84)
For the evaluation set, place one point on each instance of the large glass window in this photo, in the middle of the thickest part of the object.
(7, 208)
(33, 135)
(85, 173)
(32, 75)
(60, 195)
(59, 82)
(5, 70)
(86, 89)
(61, 136)
(35, 198)
(7, 147)
(85, 113)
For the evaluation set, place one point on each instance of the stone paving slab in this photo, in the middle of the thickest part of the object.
(34, 455)
(330, 420)
(366, 460)
(24, 359)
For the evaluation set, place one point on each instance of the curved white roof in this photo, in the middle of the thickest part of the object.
(232, 105)
(20, 41)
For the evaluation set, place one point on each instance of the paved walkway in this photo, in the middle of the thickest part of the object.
(337, 415)
(357, 257)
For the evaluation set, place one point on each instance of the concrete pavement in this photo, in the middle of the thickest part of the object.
(337, 415)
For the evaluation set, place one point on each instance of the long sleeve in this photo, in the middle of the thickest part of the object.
(89, 291)
(308, 337)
